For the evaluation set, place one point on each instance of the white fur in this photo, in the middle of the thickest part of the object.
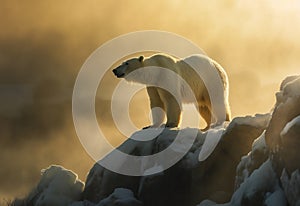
(203, 77)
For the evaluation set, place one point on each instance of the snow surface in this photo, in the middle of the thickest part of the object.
(213, 135)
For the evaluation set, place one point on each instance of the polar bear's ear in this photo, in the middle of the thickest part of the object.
(141, 58)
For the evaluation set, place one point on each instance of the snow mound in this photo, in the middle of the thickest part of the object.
(58, 186)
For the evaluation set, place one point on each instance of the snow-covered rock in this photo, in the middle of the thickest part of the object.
(101, 183)
(190, 179)
(291, 90)
(257, 180)
(290, 141)
(256, 189)
(284, 138)
(241, 132)
(252, 161)
(282, 135)
(291, 186)
(261, 188)
(58, 186)
(256, 162)
(286, 109)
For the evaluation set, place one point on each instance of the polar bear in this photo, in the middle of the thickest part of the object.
(161, 98)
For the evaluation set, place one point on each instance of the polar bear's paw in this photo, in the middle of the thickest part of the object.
(171, 125)
(168, 125)
(154, 126)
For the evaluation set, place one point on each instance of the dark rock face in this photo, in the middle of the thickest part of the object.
(122, 197)
(102, 182)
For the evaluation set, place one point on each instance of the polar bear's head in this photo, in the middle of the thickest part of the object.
(128, 66)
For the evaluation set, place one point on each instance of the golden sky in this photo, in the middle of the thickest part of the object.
(44, 44)
(255, 41)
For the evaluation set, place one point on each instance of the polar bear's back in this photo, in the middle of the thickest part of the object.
(206, 65)
(186, 68)
(161, 60)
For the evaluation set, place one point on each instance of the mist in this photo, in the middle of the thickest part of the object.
(43, 45)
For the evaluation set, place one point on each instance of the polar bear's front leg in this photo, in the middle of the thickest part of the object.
(157, 108)
(172, 108)
(206, 115)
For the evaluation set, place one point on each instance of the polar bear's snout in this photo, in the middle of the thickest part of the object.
(119, 72)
